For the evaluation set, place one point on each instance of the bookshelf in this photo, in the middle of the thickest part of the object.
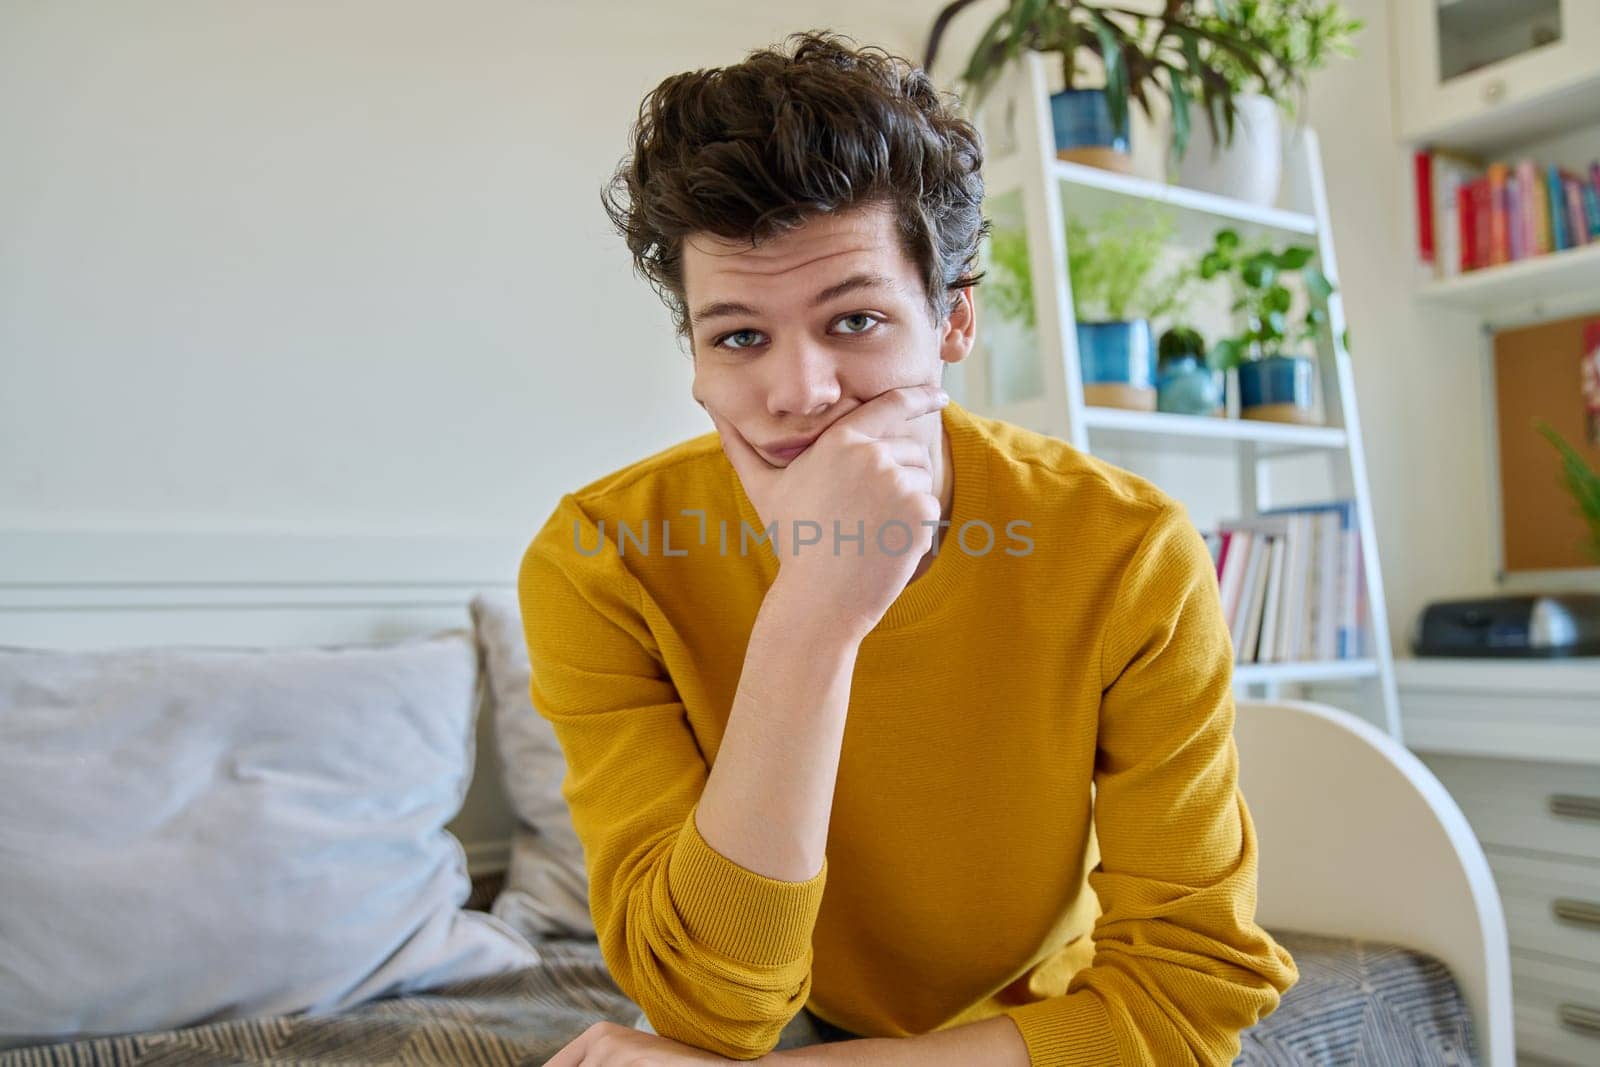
(1527, 289)
(1026, 181)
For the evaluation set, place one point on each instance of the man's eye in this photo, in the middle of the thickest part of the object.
(732, 340)
(860, 322)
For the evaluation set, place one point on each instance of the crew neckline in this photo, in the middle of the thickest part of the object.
(969, 502)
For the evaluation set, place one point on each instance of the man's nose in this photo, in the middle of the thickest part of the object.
(805, 380)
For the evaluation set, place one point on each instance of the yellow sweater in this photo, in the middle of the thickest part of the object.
(1037, 809)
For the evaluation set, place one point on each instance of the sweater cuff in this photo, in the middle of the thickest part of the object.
(736, 912)
(1067, 1031)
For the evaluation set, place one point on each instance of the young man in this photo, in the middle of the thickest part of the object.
(877, 714)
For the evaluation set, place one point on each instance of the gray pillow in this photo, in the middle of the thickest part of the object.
(191, 835)
(546, 892)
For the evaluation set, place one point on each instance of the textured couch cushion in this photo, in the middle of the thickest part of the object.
(547, 891)
(191, 835)
(1362, 1002)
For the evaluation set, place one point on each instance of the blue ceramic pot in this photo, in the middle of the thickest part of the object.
(1117, 353)
(1082, 119)
(1185, 385)
(1277, 380)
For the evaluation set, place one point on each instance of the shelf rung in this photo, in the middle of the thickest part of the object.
(1308, 671)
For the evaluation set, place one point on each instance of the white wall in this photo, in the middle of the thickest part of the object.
(339, 264)
(341, 268)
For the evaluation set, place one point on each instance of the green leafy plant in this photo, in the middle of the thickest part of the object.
(1580, 480)
(1204, 52)
(1112, 263)
(1298, 36)
(1181, 341)
(1009, 286)
(1258, 274)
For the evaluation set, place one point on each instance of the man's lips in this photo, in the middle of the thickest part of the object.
(788, 449)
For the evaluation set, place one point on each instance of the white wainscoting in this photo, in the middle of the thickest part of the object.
(263, 588)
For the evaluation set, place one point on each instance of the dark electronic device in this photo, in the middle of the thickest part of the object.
(1533, 625)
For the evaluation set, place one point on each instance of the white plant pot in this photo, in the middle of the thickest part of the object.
(1249, 169)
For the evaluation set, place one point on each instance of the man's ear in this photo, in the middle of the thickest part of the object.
(959, 328)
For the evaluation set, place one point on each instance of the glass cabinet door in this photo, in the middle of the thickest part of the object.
(1493, 70)
(1472, 34)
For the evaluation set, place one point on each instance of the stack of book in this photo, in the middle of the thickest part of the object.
(1291, 584)
(1471, 215)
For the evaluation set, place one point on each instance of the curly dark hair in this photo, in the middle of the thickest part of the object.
(751, 150)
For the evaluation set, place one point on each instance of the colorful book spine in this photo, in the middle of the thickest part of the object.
(1469, 244)
(1543, 241)
(1528, 206)
(1594, 187)
(1577, 224)
(1499, 219)
(1480, 222)
(1591, 208)
(1558, 211)
(1422, 178)
(1514, 228)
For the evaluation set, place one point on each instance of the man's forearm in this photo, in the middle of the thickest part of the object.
(993, 1042)
(769, 797)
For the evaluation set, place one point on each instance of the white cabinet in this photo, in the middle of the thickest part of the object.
(1478, 73)
(1517, 744)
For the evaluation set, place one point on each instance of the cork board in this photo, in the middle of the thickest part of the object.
(1550, 371)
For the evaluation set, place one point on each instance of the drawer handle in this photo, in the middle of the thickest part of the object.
(1580, 1019)
(1575, 807)
(1577, 912)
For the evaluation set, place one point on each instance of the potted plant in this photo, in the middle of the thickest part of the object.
(1230, 59)
(1581, 481)
(1238, 151)
(1140, 57)
(1118, 287)
(1186, 382)
(1276, 382)
(1011, 331)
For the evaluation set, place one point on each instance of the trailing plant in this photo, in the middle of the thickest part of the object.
(1580, 480)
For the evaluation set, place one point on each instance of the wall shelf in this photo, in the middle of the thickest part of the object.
(1523, 289)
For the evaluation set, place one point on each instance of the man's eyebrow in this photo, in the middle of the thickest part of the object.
(729, 309)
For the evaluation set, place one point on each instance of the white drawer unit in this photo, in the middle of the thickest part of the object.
(1549, 807)
(1551, 906)
(1517, 744)
(1557, 1009)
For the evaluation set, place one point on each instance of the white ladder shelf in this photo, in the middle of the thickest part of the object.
(1025, 162)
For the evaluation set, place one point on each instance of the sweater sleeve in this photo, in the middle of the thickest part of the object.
(717, 956)
(1180, 966)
